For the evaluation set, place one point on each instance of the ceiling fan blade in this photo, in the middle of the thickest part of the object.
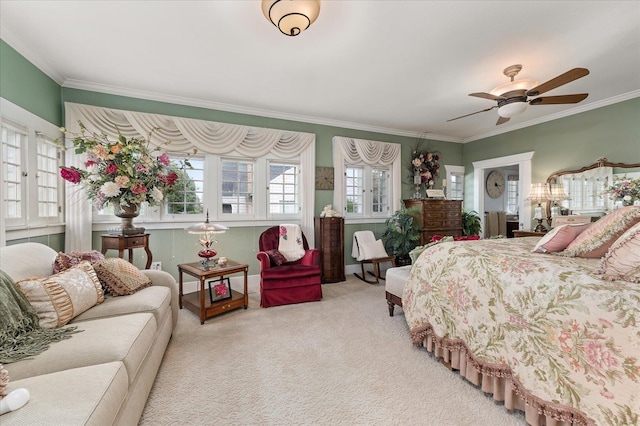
(565, 78)
(477, 112)
(563, 99)
(484, 95)
(502, 120)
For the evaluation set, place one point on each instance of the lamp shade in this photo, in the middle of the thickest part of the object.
(538, 192)
(291, 17)
(512, 109)
(557, 192)
(206, 228)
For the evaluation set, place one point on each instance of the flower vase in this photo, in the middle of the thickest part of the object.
(126, 213)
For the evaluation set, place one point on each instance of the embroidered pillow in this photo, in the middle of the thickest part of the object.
(622, 261)
(276, 257)
(559, 238)
(596, 240)
(372, 250)
(59, 298)
(120, 276)
(66, 260)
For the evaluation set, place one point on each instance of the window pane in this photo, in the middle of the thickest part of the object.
(47, 157)
(188, 196)
(237, 187)
(380, 187)
(283, 189)
(456, 187)
(12, 164)
(354, 189)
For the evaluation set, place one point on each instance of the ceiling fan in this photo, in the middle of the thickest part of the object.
(513, 97)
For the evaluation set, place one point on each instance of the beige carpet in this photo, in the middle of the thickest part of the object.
(341, 361)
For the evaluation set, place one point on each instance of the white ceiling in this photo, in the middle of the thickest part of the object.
(401, 67)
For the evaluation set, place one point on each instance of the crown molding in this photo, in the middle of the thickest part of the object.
(24, 50)
(153, 96)
(572, 111)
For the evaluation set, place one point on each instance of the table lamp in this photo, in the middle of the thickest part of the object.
(557, 194)
(539, 192)
(207, 232)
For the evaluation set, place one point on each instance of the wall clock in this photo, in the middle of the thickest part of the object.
(324, 177)
(495, 184)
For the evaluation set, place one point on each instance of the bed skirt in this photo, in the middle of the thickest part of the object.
(497, 380)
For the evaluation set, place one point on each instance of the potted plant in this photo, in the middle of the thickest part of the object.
(470, 222)
(401, 235)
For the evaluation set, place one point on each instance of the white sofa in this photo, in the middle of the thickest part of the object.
(102, 375)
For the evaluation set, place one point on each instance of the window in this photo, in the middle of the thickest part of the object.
(586, 193)
(188, 197)
(367, 191)
(284, 187)
(237, 186)
(513, 200)
(49, 184)
(14, 145)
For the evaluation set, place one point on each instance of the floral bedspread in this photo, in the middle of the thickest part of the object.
(565, 337)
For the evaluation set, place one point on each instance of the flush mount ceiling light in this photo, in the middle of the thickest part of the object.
(291, 17)
(515, 93)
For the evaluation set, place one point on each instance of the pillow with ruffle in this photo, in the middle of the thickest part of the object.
(559, 238)
(67, 260)
(622, 261)
(276, 257)
(596, 240)
(61, 297)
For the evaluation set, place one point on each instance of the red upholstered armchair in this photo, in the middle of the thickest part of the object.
(289, 282)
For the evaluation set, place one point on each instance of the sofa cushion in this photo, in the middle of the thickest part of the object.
(396, 279)
(290, 271)
(126, 338)
(80, 396)
(121, 277)
(67, 260)
(276, 257)
(372, 250)
(60, 297)
(155, 300)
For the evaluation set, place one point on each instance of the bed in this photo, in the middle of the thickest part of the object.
(541, 332)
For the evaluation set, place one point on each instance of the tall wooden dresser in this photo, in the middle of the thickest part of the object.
(329, 236)
(437, 217)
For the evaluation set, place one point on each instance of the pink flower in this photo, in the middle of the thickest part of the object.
(90, 163)
(140, 168)
(111, 169)
(164, 159)
(599, 356)
(70, 174)
(138, 188)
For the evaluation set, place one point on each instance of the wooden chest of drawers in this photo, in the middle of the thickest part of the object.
(437, 217)
(329, 239)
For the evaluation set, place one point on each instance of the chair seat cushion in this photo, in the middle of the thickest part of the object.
(290, 271)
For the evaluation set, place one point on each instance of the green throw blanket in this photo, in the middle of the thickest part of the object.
(20, 332)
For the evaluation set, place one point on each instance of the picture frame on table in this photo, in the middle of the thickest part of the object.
(436, 193)
(219, 289)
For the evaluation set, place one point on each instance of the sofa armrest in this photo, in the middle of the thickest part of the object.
(265, 262)
(162, 278)
(311, 257)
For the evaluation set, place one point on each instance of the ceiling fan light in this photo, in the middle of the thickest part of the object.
(523, 84)
(291, 17)
(512, 109)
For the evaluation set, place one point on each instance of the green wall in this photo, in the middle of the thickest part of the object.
(564, 144)
(25, 85)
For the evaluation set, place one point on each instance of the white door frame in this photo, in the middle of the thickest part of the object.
(523, 161)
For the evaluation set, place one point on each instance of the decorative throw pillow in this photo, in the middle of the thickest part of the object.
(596, 240)
(372, 250)
(59, 298)
(622, 261)
(276, 257)
(120, 277)
(66, 260)
(559, 238)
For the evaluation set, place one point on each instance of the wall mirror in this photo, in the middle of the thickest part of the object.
(586, 188)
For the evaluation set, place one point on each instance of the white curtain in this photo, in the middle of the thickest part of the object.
(179, 134)
(373, 153)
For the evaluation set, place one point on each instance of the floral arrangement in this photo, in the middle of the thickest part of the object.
(624, 189)
(125, 171)
(424, 167)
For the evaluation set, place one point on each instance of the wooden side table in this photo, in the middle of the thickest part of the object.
(202, 306)
(127, 242)
(518, 234)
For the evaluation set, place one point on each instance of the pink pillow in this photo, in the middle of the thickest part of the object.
(559, 238)
(622, 261)
(595, 241)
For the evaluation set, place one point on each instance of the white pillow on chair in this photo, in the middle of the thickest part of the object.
(372, 250)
